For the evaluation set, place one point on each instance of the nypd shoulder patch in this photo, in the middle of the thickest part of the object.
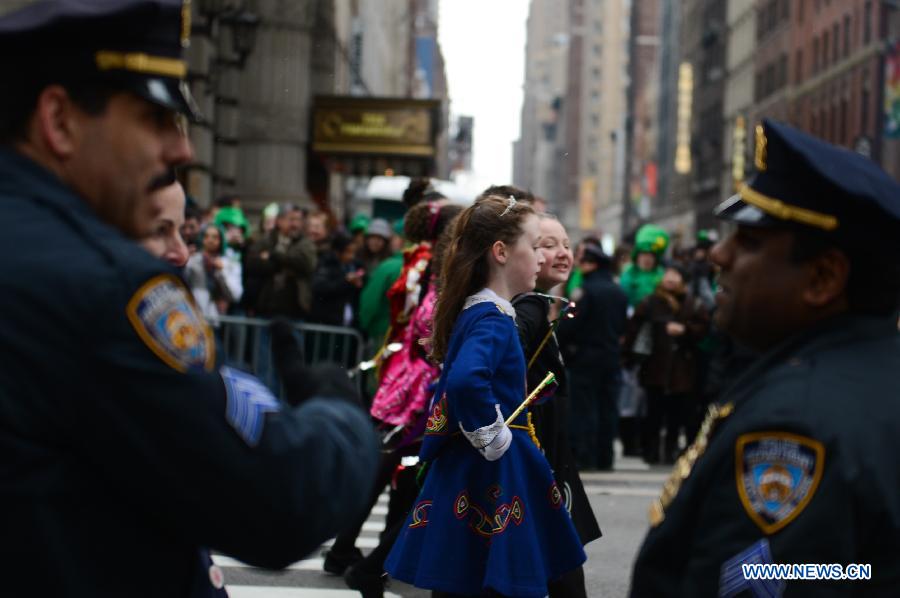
(777, 475)
(248, 401)
(166, 318)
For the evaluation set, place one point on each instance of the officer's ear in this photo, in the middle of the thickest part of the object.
(55, 121)
(828, 274)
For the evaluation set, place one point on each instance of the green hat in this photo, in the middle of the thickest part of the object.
(650, 238)
(360, 223)
(233, 216)
(707, 237)
(398, 227)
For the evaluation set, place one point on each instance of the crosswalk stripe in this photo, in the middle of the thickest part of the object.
(373, 526)
(361, 542)
(304, 565)
(282, 592)
(621, 491)
(623, 476)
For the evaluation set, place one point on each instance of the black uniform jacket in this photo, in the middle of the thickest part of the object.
(591, 340)
(801, 466)
(121, 454)
(551, 418)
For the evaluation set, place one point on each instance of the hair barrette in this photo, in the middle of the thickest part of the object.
(509, 206)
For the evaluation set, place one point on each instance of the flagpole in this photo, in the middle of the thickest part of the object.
(548, 379)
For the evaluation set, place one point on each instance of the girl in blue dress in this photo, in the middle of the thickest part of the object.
(490, 518)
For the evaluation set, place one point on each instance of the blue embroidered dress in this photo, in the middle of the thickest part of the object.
(481, 524)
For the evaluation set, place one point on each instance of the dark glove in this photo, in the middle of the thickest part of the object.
(302, 382)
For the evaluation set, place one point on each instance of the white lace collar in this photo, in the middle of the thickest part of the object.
(487, 295)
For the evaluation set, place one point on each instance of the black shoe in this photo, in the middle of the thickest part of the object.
(337, 563)
(367, 583)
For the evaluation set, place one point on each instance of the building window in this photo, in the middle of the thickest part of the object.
(836, 40)
(843, 134)
(813, 124)
(864, 105)
(846, 35)
(798, 67)
(773, 14)
(834, 124)
(782, 71)
(800, 4)
(825, 50)
(785, 10)
(815, 53)
(867, 23)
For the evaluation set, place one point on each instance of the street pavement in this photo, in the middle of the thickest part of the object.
(620, 499)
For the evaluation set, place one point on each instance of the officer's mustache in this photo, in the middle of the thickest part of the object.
(163, 180)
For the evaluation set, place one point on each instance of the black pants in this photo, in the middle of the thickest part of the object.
(570, 585)
(490, 594)
(346, 540)
(403, 497)
(594, 416)
(664, 412)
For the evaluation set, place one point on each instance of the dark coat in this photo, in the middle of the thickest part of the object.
(284, 279)
(591, 340)
(551, 418)
(672, 366)
(825, 406)
(331, 292)
(120, 444)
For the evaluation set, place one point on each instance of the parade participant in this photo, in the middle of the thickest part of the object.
(490, 517)
(165, 240)
(124, 446)
(399, 409)
(551, 419)
(641, 277)
(419, 228)
(795, 462)
(590, 343)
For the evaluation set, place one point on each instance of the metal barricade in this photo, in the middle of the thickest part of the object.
(245, 344)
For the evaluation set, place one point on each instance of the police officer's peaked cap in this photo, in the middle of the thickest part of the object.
(804, 182)
(594, 253)
(135, 45)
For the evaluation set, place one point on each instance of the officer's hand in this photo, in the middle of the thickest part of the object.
(301, 382)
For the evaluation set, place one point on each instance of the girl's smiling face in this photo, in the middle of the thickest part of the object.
(557, 252)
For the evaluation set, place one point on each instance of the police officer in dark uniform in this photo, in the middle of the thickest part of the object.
(797, 462)
(126, 452)
(590, 344)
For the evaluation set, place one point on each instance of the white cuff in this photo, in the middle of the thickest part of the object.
(498, 446)
(485, 435)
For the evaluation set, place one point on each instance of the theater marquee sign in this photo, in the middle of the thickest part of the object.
(375, 126)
